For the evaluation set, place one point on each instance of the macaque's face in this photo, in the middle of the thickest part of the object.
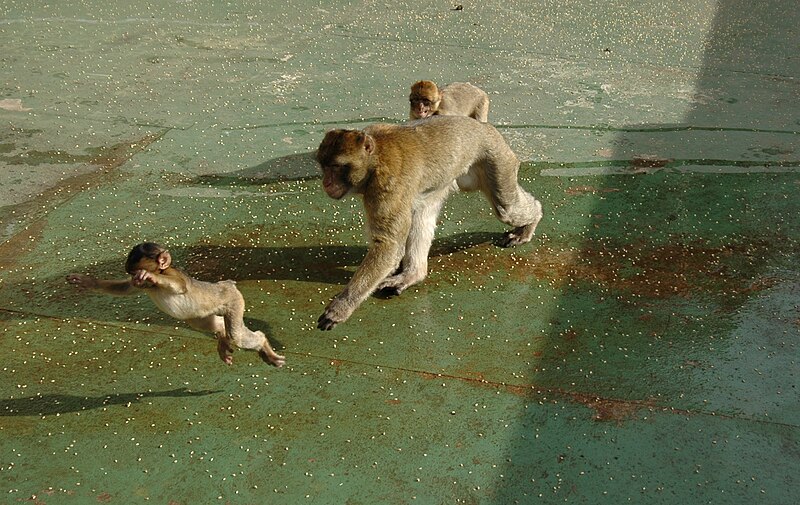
(334, 180)
(424, 99)
(421, 108)
(343, 156)
(143, 263)
(160, 262)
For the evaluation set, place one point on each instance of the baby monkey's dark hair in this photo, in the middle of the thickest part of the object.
(149, 250)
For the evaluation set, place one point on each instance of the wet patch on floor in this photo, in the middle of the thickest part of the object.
(101, 161)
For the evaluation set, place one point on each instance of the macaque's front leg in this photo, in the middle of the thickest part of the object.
(120, 287)
(377, 265)
(145, 279)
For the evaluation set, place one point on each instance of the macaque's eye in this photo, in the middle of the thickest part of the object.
(340, 170)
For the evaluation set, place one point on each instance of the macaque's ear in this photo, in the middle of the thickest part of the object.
(164, 260)
(369, 144)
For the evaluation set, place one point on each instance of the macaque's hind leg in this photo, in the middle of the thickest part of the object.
(225, 350)
(215, 325)
(267, 353)
(414, 266)
(243, 337)
(513, 205)
(257, 341)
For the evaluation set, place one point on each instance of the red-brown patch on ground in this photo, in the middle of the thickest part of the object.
(610, 409)
(648, 270)
(582, 190)
(20, 244)
(116, 155)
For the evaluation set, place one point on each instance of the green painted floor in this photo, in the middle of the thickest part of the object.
(643, 348)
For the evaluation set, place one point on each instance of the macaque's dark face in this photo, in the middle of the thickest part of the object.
(422, 108)
(342, 156)
(149, 257)
(424, 99)
(334, 180)
(143, 264)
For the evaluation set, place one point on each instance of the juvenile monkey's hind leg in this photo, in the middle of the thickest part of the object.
(215, 325)
(243, 337)
(225, 349)
(522, 234)
(267, 353)
(257, 341)
(513, 205)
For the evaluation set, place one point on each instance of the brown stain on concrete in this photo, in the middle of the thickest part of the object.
(21, 244)
(642, 269)
(34, 210)
(107, 157)
(606, 409)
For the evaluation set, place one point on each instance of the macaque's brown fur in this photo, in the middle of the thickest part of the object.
(213, 307)
(456, 99)
(404, 174)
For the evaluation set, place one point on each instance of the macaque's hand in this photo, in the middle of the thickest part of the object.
(82, 281)
(337, 312)
(142, 279)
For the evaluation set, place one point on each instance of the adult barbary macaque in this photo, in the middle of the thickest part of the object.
(404, 174)
(216, 307)
(456, 99)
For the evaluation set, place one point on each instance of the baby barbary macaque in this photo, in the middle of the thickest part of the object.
(216, 307)
(456, 99)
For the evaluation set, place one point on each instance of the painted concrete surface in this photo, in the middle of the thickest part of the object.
(642, 348)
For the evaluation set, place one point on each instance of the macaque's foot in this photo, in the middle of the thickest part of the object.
(267, 353)
(518, 236)
(396, 284)
(272, 358)
(225, 350)
(391, 286)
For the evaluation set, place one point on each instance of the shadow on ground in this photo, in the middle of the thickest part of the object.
(55, 404)
(651, 207)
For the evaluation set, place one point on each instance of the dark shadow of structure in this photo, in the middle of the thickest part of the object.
(713, 245)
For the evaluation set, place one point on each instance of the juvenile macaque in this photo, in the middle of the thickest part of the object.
(404, 174)
(206, 306)
(456, 99)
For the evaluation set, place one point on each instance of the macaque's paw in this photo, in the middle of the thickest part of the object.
(337, 312)
(518, 236)
(141, 278)
(394, 285)
(326, 321)
(273, 359)
(81, 281)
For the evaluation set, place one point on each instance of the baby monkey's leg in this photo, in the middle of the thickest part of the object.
(243, 337)
(215, 325)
